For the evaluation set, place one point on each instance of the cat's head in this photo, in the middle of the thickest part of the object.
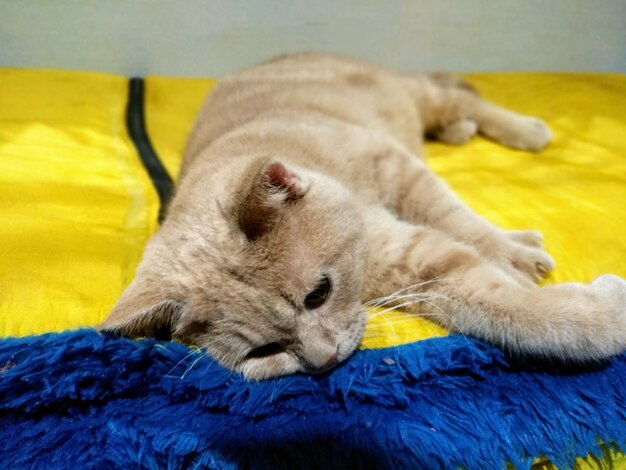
(260, 263)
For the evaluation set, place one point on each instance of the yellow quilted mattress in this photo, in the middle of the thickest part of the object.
(77, 206)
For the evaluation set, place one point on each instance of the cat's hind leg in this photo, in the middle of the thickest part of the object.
(507, 127)
(453, 112)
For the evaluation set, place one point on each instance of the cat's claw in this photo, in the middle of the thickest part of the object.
(526, 263)
(522, 255)
(536, 263)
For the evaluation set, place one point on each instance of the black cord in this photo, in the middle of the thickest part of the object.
(136, 125)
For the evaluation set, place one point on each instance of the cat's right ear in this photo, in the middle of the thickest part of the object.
(143, 310)
(272, 188)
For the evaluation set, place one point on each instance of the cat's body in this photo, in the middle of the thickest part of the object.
(303, 196)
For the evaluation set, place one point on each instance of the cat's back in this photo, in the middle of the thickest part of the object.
(342, 89)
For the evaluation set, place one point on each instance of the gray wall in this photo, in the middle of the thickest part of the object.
(214, 37)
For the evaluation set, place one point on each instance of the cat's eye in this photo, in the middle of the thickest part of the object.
(267, 350)
(317, 297)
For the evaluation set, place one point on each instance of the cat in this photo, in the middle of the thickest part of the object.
(304, 195)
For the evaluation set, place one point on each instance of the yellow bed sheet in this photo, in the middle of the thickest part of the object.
(77, 206)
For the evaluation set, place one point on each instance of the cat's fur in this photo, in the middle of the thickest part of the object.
(310, 166)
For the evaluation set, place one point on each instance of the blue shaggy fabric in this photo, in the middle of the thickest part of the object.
(82, 400)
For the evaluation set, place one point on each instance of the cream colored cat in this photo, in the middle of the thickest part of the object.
(304, 195)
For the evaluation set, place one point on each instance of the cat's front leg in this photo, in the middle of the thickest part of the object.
(420, 197)
(453, 284)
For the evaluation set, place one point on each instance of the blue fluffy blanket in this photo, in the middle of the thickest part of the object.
(82, 400)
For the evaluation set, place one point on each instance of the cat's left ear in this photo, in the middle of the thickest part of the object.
(274, 187)
(143, 310)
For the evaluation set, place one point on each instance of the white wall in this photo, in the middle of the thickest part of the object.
(213, 37)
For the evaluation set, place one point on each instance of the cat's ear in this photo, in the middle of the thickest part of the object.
(143, 310)
(272, 188)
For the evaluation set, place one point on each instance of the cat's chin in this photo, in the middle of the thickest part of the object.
(351, 339)
(345, 353)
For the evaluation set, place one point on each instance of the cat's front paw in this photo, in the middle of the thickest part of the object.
(612, 288)
(536, 263)
(611, 292)
(522, 252)
(526, 262)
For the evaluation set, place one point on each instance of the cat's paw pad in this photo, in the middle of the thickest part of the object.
(458, 132)
(531, 134)
(532, 238)
(533, 262)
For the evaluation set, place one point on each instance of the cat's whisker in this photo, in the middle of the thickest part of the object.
(411, 317)
(374, 333)
(419, 284)
(177, 364)
(399, 298)
(372, 336)
(448, 317)
(439, 314)
(396, 323)
(388, 323)
(385, 300)
(391, 323)
(426, 299)
(395, 307)
(399, 291)
(416, 299)
(204, 373)
(200, 356)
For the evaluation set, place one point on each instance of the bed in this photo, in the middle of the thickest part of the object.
(78, 206)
